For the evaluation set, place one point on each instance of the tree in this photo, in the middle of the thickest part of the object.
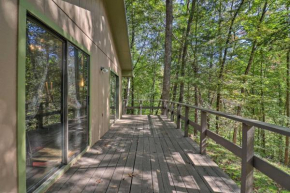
(168, 48)
(249, 65)
(185, 47)
(230, 56)
(286, 160)
(223, 61)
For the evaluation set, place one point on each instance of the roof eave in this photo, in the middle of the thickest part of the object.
(116, 13)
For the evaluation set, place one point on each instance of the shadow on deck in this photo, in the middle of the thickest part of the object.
(144, 154)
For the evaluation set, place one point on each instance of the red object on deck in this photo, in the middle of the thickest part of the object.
(39, 164)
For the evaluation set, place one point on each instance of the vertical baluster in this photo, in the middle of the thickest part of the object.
(247, 158)
(178, 122)
(203, 132)
(186, 121)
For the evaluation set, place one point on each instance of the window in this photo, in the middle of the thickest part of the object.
(114, 97)
(57, 96)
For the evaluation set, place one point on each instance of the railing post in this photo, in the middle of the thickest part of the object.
(172, 111)
(140, 107)
(186, 121)
(203, 133)
(178, 116)
(247, 158)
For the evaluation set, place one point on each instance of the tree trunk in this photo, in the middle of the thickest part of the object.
(184, 52)
(133, 30)
(220, 61)
(127, 92)
(153, 89)
(209, 100)
(280, 151)
(132, 95)
(195, 69)
(263, 142)
(130, 80)
(174, 92)
(286, 159)
(168, 49)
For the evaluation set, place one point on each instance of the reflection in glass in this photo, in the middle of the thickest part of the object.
(43, 103)
(113, 97)
(77, 101)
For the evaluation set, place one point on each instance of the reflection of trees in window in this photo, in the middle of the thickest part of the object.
(43, 86)
(47, 114)
(77, 78)
(113, 97)
(43, 73)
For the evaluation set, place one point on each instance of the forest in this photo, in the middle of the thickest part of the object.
(231, 56)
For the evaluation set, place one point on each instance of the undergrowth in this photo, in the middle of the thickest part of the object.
(232, 166)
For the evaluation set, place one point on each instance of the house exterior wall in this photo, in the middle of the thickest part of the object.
(8, 75)
(87, 23)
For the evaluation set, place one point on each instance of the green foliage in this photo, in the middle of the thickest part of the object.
(232, 166)
(257, 41)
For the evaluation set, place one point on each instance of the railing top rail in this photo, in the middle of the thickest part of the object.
(251, 122)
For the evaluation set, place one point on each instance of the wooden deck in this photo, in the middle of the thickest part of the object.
(144, 154)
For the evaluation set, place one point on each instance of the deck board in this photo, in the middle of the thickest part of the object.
(144, 154)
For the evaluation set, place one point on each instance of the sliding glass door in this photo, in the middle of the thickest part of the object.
(57, 94)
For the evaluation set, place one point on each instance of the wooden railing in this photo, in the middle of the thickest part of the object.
(245, 152)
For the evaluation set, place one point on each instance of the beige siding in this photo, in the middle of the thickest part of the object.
(86, 22)
(8, 65)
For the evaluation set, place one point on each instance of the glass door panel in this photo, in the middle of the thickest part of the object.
(43, 86)
(77, 100)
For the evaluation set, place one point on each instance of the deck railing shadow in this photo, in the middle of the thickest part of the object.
(170, 109)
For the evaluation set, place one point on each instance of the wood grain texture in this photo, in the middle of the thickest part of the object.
(144, 154)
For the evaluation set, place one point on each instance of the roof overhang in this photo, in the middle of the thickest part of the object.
(116, 13)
